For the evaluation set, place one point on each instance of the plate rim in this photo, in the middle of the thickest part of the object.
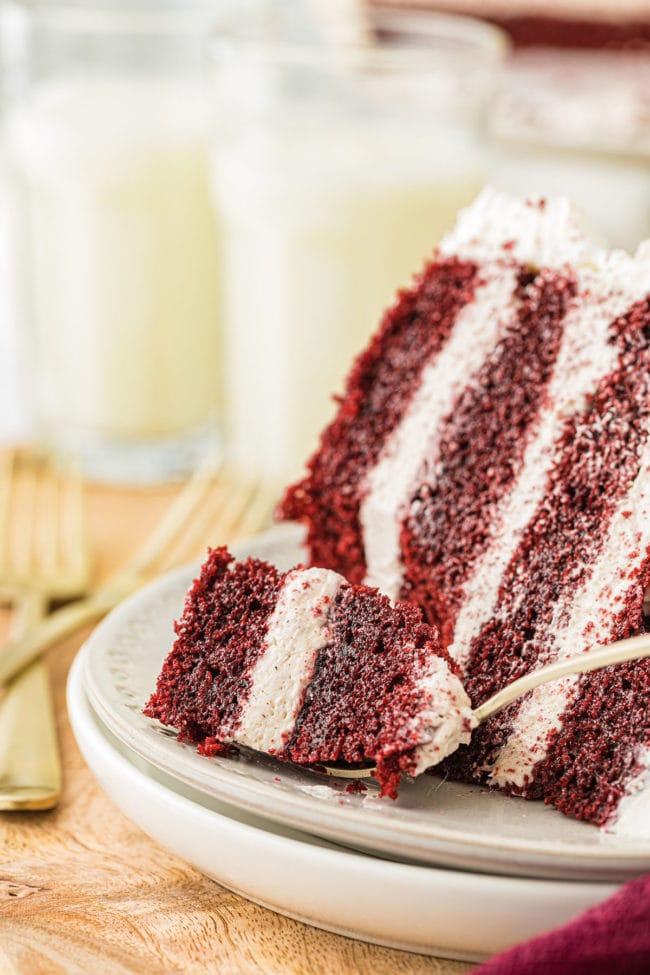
(628, 858)
(554, 890)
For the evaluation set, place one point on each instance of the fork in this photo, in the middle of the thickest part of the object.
(623, 651)
(43, 558)
(214, 506)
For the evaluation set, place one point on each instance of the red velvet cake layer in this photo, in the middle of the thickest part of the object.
(567, 27)
(362, 704)
(307, 668)
(377, 393)
(480, 451)
(594, 757)
(206, 678)
(577, 33)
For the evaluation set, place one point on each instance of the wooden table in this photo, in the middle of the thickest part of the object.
(84, 892)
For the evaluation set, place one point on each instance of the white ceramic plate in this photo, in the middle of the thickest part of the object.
(433, 821)
(417, 908)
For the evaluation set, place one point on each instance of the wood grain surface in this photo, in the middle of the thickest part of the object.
(83, 891)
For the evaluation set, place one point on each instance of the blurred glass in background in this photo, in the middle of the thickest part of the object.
(573, 113)
(219, 198)
(337, 167)
(107, 133)
(577, 124)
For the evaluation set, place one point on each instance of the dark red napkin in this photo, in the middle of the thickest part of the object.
(607, 939)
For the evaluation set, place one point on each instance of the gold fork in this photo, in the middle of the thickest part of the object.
(43, 558)
(623, 651)
(214, 507)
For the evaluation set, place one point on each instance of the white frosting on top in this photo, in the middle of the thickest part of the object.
(538, 231)
(296, 631)
(447, 720)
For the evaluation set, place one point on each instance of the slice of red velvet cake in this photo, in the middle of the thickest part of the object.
(309, 669)
(490, 461)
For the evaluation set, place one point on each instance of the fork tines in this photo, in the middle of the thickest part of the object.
(42, 526)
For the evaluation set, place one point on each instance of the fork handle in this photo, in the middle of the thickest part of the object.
(29, 610)
(17, 654)
(623, 651)
(30, 760)
(30, 763)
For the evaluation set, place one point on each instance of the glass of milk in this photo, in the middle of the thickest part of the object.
(108, 137)
(342, 153)
(577, 124)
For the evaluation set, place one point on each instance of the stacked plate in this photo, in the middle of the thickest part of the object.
(449, 869)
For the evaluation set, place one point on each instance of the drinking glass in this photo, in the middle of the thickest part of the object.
(108, 136)
(338, 164)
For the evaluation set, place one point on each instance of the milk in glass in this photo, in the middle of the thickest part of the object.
(318, 235)
(337, 167)
(122, 258)
(108, 136)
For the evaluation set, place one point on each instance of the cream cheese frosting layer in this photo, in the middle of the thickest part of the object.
(447, 720)
(608, 290)
(533, 230)
(585, 357)
(297, 630)
(388, 485)
(540, 714)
